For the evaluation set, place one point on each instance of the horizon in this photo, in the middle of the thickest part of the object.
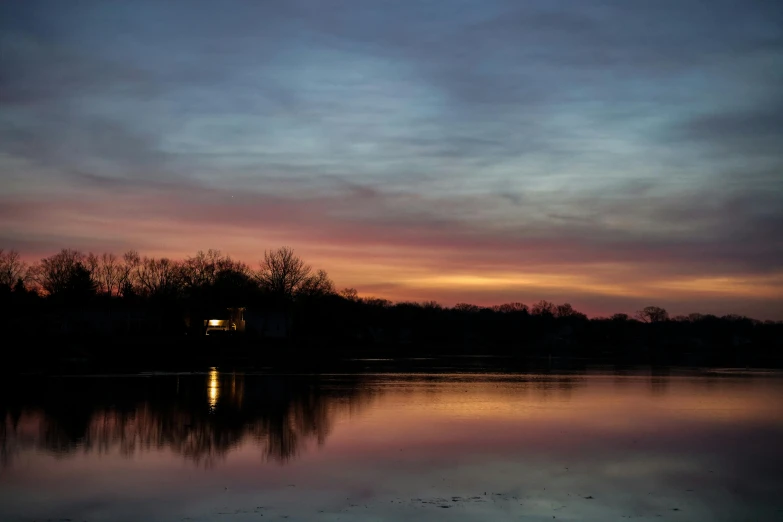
(607, 155)
(632, 314)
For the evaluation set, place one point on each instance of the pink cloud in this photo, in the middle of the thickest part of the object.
(402, 247)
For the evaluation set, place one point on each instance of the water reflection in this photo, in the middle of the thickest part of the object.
(279, 415)
(282, 415)
(592, 447)
(213, 389)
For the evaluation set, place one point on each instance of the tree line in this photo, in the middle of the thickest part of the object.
(74, 276)
(322, 317)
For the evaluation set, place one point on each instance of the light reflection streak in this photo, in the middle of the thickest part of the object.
(213, 389)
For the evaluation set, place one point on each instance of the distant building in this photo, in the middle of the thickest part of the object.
(232, 320)
(253, 322)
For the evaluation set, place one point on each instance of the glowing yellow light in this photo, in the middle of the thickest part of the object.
(213, 389)
(214, 322)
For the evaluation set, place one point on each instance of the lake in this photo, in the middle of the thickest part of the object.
(595, 446)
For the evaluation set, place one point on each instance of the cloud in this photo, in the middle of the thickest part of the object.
(618, 144)
(727, 236)
(755, 131)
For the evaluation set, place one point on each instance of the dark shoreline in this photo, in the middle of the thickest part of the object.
(88, 355)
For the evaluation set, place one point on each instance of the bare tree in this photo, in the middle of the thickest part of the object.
(652, 314)
(108, 273)
(158, 277)
(12, 268)
(466, 308)
(350, 294)
(317, 285)
(379, 302)
(52, 272)
(544, 308)
(202, 269)
(91, 262)
(508, 308)
(566, 310)
(129, 279)
(66, 272)
(282, 272)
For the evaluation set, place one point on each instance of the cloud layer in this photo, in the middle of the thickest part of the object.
(608, 153)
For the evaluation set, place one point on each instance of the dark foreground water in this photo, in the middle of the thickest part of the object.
(233, 447)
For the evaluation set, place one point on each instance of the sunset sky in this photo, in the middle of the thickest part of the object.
(608, 153)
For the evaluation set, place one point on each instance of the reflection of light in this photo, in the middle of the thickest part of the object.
(213, 389)
(214, 322)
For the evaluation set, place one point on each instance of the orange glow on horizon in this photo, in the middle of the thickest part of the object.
(397, 271)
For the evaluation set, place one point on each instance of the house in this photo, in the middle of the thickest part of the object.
(250, 321)
(232, 320)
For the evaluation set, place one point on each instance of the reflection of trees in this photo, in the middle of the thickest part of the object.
(200, 419)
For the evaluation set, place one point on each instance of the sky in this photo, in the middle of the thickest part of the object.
(608, 153)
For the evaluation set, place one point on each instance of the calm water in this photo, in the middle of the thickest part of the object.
(233, 447)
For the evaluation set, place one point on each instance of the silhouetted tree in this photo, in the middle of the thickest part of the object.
(282, 273)
(234, 285)
(316, 285)
(466, 308)
(129, 280)
(509, 308)
(108, 273)
(161, 294)
(378, 302)
(19, 287)
(65, 275)
(349, 294)
(202, 269)
(652, 314)
(544, 308)
(12, 268)
(159, 278)
(567, 311)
